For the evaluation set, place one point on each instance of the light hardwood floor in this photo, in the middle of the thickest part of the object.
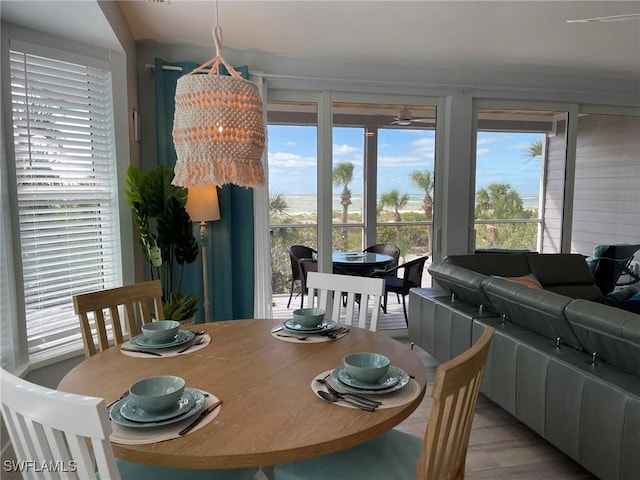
(500, 446)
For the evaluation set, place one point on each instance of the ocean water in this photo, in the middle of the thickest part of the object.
(307, 203)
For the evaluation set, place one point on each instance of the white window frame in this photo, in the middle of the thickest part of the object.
(18, 359)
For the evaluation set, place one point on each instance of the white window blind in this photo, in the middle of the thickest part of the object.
(66, 190)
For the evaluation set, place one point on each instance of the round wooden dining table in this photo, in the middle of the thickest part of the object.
(269, 415)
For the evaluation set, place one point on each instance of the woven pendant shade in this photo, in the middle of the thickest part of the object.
(218, 127)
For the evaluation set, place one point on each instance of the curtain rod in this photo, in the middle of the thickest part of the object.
(463, 88)
(176, 68)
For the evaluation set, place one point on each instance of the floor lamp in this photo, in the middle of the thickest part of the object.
(202, 206)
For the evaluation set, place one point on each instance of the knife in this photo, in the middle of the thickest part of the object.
(140, 351)
(201, 417)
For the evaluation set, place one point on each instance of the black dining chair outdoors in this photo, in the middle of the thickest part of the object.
(386, 249)
(411, 278)
(297, 253)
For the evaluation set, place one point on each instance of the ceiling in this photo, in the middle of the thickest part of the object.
(481, 34)
(512, 35)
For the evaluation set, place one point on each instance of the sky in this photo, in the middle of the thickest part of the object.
(292, 159)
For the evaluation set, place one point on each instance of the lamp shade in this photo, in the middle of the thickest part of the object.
(202, 203)
(218, 127)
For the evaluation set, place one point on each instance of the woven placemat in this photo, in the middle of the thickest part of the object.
(142, 436)
(405, 395)
(166, 352)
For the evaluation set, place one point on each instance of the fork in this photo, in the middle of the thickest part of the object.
(199, 341)
(291, 336)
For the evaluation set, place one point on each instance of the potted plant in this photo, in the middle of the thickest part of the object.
(166, 234)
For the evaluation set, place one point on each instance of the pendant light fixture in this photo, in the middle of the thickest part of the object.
(218, 127)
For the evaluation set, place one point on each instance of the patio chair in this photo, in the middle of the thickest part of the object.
(297, 253)
(386, 249)
(326, 288)
(48, 426)
(610, 262)
(133, 298)
(411, 278)
(394, 454)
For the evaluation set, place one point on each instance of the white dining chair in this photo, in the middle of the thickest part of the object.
(70, 433)
(398, 455)
(333, 293)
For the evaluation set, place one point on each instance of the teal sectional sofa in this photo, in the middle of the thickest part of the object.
(561, 362)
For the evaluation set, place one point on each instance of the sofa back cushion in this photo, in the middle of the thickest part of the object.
(503, 265)
(465, 284)
(612, 333)
(537, 310)
(565, 274)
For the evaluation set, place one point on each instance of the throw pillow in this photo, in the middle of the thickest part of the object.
(528, 280)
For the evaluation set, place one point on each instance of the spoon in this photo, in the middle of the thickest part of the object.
(355, 396)
(329, 397)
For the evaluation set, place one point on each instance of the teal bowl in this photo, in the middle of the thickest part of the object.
(155, 394)
(161, 331)
(308, 317)
(366, 367)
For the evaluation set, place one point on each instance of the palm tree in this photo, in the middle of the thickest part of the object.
(342, 176)
(279, 208)
(396, 201)
(281, 239)
(498, 201)
(424, 181)
(534, 149)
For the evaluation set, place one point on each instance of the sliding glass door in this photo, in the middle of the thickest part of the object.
(365, 176)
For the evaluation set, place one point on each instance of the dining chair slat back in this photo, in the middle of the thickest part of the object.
(333, 292)
(455, 394)
(47, 427)
(135, 299)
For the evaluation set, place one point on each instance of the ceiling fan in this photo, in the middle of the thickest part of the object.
(405, 118)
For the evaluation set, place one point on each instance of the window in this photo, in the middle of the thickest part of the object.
(66, 189)
(519, 178)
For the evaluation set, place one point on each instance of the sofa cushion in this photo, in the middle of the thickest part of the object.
(613, 334)
(567, 269)
(503, 265)
(566, 274)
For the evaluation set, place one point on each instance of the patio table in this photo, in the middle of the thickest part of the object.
(359, 263)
